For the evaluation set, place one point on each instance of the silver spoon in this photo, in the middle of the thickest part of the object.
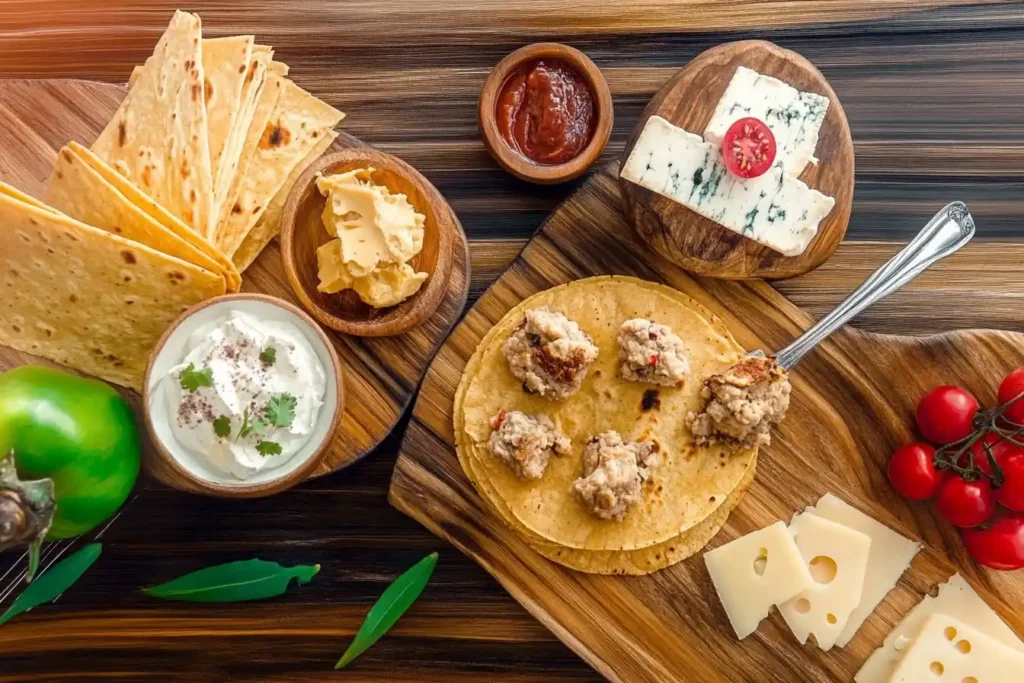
(945, 233)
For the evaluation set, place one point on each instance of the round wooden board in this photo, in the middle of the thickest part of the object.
(688, 100)
(38, 117)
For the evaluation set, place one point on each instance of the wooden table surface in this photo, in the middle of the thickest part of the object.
(934, 92)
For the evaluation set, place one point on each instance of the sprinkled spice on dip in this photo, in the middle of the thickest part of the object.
(545, 111)
(247, 394)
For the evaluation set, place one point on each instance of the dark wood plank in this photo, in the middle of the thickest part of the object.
(933, 91)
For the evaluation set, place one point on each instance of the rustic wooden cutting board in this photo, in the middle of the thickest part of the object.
(852, 406)
(37, 117)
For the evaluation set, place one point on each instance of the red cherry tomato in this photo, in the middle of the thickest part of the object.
(748, 148)
(965, 503)
(1011, 388)
(1010, 458)
(946, 414)
(1001, 545)
(912, 471)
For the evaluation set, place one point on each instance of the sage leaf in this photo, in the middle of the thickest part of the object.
(233, 582)
(54, 581)
(390, 606)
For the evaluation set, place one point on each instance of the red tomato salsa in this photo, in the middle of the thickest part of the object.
(546, 111)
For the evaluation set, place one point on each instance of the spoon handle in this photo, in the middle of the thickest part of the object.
(949, 230)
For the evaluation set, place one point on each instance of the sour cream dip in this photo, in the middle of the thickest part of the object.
(247, 394)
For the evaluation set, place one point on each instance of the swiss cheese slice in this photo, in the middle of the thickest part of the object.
(956, 599)
(947, 649)
(756, 571)
(890, 556)
(837, 557)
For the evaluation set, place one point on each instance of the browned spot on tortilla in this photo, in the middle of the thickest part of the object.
(209, 89)
(274, 136)
(252, 72)
(176, 275)
(128, 257)
(188, 64)
(236, 209)
(192, 196)
(60, 176)
(122, 134)
(147, 176)
(315, 134)
(241, 69)
(196, 92)
(73, 298)
(185, 168)
(650, 401)
(117, 229)
(68, 156)
(16, 328)
(33, 221)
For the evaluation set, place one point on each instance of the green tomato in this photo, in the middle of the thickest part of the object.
(78, 432)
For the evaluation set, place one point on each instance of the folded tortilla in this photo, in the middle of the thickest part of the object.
(296, 125)
(684, 490)
(78, 190)
(269, 224)
(87, 298)
(158, 213)
(158, 138)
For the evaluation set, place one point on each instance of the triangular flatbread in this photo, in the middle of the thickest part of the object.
(79, 191)
(269, 224)
(158, 137)
(87, 298)
(161, 215)
(297, 124)
(225, 69)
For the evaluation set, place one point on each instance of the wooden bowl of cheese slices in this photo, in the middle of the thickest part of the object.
(329, 272)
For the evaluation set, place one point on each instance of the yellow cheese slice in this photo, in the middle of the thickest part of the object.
(949, 650)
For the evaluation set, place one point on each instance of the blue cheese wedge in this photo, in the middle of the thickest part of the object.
(774, 209)
(794, 117)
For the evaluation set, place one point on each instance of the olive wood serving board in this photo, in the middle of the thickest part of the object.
(688, 100)
(853, 403)
(37, 117)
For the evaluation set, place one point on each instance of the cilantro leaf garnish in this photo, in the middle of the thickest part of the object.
(267, 448)
(191, 379)
(268, 356)
(222, 426)
(257, 426)
(281, 410)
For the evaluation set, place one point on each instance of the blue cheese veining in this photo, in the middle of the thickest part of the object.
(775, 209)
(794, 117)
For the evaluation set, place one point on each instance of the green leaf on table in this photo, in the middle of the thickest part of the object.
(281, 410)
(191, 379)
(268, 448)
(54, 581)
(234, 582)
(392, 604)
(222, 426)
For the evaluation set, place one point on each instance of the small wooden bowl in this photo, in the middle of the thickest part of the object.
(177, 466)
(303, 232)
(514, 162)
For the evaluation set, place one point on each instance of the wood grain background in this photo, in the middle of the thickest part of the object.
(934, 92)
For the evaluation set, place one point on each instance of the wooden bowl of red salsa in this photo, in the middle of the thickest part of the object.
(546, 113)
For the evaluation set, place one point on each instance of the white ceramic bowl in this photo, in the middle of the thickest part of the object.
(183, 468)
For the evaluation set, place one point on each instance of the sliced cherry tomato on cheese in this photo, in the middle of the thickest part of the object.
(748, 148)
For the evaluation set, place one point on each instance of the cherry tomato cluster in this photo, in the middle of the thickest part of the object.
(971, 462)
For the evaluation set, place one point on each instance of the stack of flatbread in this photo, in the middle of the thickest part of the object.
(178, 195)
